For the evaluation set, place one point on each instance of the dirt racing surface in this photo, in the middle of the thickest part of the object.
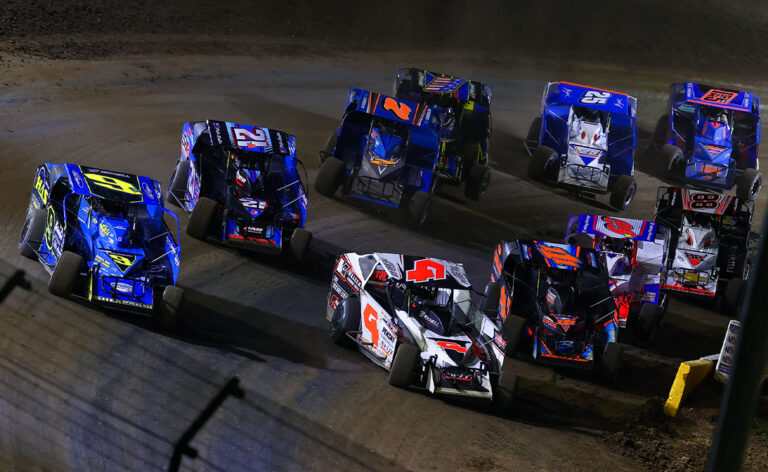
(109, 85)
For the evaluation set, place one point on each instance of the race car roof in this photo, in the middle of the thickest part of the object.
(559, 256)
(384, 106)
(251, 138)
(591, 97)
(112, 185)
(419, 270)
(461, 89)
(613, 227)
(718, 97)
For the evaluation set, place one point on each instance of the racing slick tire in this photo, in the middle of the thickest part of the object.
(610, 362)
(623, 192)
(478, 181)
(504, 394)
(200, 220)
(404, 365)
(540, 162)
(32, 233)
(418, 208)
(532, 138)
(330, 145)
(178, 185)
(330, 176)
(513, 327)
(299, 243)
(670, 160)
(65, 274)
(733, 297)
(581, 240)
(648, 322)
(659, 133)
(170, 307)
(345, 318)
(493, 292)
(749, 184)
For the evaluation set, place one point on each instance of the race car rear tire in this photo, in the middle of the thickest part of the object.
(733, 297)
(623, 192)
(330, 176)
(65, 274)
(648, 322)
(749, 184)
(659, 135)
(670, 160)
(170, 307)
(513, 327)
(201, 218)
(610, 362)
(493, 292)
(541, 161)
(478, 181)
(32, 233)
(299, 243)
(418, 208)
(404, 365)
(345, 318)
(581, 240)
(330, 145)
(506, 387)
(534, 131)
(178, 185)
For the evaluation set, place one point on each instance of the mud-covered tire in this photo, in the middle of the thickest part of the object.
(733, 296)
(169, 312)
(299, 243)
(404, 365)
(623, 192)
(581, 240)
(418, 208)
(648, 322)
(178, 184)
(506, 388)
(478, 181)
(658, 138)
(32, 233)
(534, 131)
(330, 176)
(541, 162)
(201, 218)
(749, 184)
(669, 161)
(345, 318)
(610, 362)
(513, 327)
(65, 274)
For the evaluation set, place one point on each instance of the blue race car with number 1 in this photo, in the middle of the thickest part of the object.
(102, 237)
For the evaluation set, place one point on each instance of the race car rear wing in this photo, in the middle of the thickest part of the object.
(612, 227)
(251, 138)
(458, 88)
(590, 97)
(708, 95)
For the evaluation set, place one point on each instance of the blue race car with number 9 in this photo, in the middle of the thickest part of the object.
(102, 237)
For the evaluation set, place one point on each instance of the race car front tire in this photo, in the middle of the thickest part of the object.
(540, 163)
(170, 307)
(32, 233)
(404, 365)
(749, 184)
(345, 319)
(201, 218)
(299, 243)
(418, 208)
(623, 192)
(659, 133)
(506, 387)
(534, 131)
(648, 322)
(610, 362)
(513, 327)
(478, 181)
(330, 176)
(65, 274)
(178, 185)
(670, 160)
(733, 297)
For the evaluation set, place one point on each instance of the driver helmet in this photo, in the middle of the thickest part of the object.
(247, 181)
(556, 297)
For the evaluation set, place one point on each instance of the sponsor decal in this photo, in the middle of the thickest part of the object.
(558, 256)
(593, 97)
(147, 189)
(443, 84)
(694, 258)
(77, 178)
(122, 261)
(249, 138)
(452, 345)
(719, 96)
(104, 230)
(123, 287)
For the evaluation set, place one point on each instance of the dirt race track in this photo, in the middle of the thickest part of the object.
(110, 86)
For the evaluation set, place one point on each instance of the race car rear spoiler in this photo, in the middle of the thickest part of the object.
(590, 97)
(613, 227)
(716, 97)
(251, 138)
(461, 89)
(384, 106)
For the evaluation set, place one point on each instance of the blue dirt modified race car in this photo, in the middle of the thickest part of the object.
(584, 141)
(466, 128)
(414, 317)
(635, 253)
(242, 186)
(383, 154)
(554, 302)
(102, 237)
(710, 138)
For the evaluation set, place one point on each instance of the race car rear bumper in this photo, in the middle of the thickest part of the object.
(472, 383)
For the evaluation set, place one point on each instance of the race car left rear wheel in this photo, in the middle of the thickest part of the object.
(478, 181)
(345, 319)
(330, 176)
(299, 243)
(504, 393)
(65, 274)
(178, 185)
(609, 363)
(648, 322)
(749, 184)
(623, 192)
(404, 365)
(542, 161)
(170, 307)
(513, 327)
(735, 291)
(418, 208)
(201, 218)
(32, 233)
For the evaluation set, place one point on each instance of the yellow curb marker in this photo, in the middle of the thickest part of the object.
(689, 376)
